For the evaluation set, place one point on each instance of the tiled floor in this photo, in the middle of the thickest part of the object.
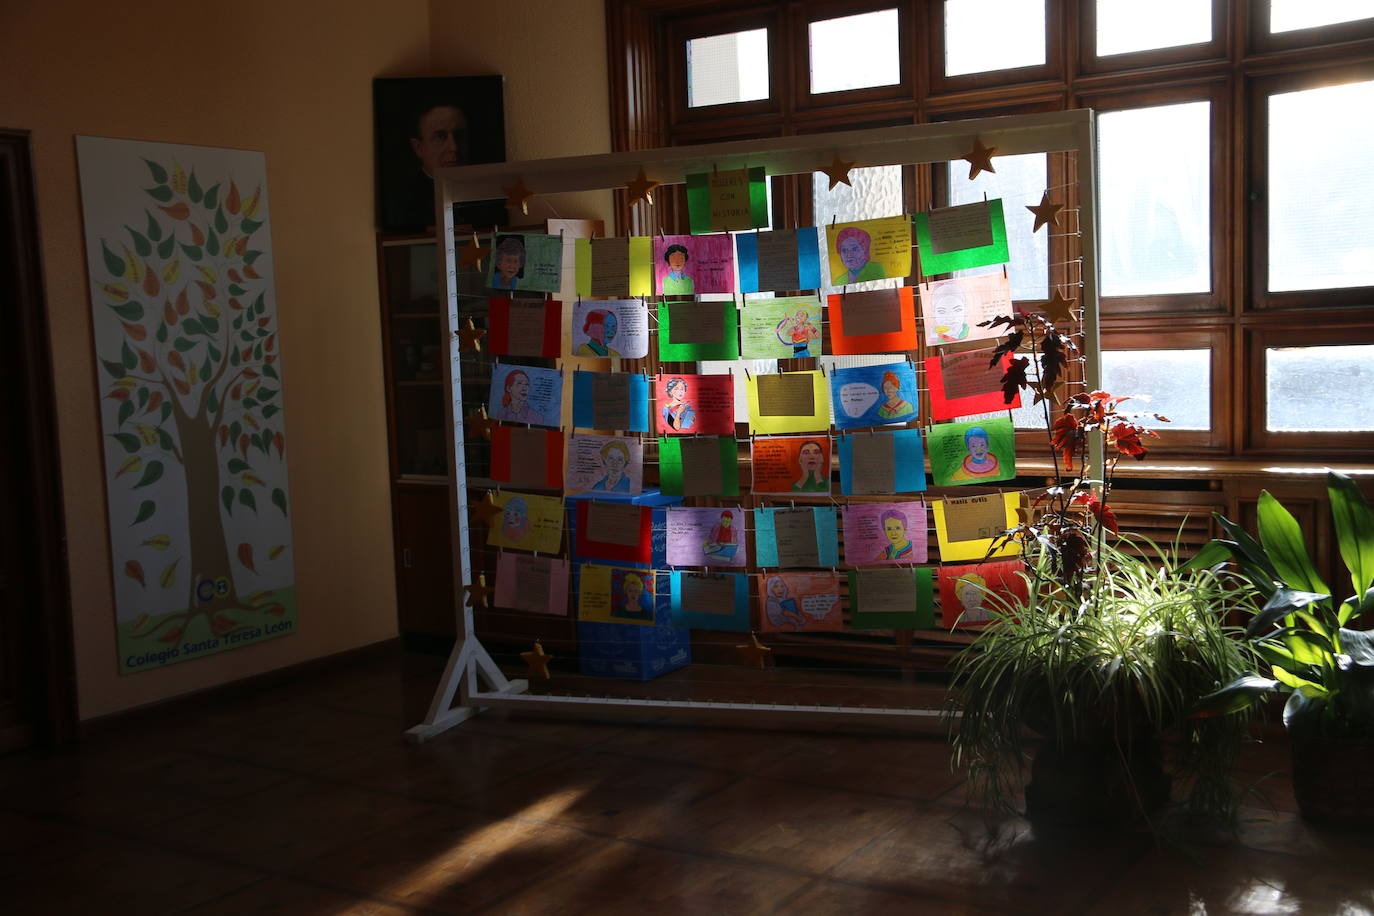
(303, 799)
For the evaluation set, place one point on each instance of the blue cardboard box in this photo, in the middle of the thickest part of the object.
(628, 650)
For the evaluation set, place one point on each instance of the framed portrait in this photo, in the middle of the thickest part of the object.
(424, 123)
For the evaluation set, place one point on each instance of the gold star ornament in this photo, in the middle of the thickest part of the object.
(838, 171)
(518, 197)
(478, 592)
(979, 159)
(1058, 308)
(486, 509)
(641, 188)
(538, 660)
(480, 425)
(1046, 212)
(470, 337)
(754, 652)
(471, 256)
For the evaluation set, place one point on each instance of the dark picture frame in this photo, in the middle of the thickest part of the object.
(440, 121)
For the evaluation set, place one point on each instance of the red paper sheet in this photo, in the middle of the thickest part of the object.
(501, 342)
(589, 548)
(509, 460)
(975, 388)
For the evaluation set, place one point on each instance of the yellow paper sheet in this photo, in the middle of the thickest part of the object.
(977, 548)
(767, 415)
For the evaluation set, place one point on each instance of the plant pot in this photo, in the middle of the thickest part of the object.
(1096, 784)
(1333, 778)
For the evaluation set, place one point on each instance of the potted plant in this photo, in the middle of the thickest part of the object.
(1110, 651)
(1312, 647)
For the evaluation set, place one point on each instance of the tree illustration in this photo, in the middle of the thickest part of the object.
(196, 382)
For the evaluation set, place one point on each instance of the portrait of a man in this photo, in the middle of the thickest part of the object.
(427, 123)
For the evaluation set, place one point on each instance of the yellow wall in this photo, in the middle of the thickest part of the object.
(292, 80)
(553, 55)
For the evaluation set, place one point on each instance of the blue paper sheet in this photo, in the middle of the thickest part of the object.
(732, 615)
(766, 541)
(765, 272)
(586, 414)
(908, 462)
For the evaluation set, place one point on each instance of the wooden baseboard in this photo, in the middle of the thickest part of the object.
(199, 700)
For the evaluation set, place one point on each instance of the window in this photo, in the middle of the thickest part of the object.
(1289, 15)
(1173, 383)
(1327, 388)
(1019, 181)
(727, 68)
(855, 52)
(1124, 26)
(983, 35)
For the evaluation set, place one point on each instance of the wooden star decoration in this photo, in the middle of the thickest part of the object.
(1046, 212)
(538, 660)
(480, 425)
(642, 188)
(838, 171)
(518, 196)
(478, 592)
(470, 337)
(1058, 308)
(471, 256)
(754, 652)
(979, 159)
(486, 509)
(1042, 392)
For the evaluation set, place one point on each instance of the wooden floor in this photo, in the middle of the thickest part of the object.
(304, 800)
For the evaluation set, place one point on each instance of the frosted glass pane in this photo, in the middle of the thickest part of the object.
(1321, 223)
(727, 68)
(1124, 26)
(855, 52)
(1174, 383)
(875, 192)
(1319, 388)
(1287, 15)
(982, 35)
(1154, 171)
(1019, 181)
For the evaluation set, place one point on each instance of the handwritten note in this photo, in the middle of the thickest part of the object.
(613, 523)
(689, 331)
(610, 267)
(877, 321)
(885, 462)
(538, 585)
(708, 593)
(891, 599)
(611, 400)
(526, 334)
(528, 458)
(784, 259)
(967, 383)
(701, 466)
(795, 533)
(873, 469)
(611, 404)
(957, 228)
(957, 238)
(727, 201)
(823, 536)
(777, 403)
(786, 395)
(697, 325)
(975, 517)
(977, 547)
(877, 311)
(614, 267)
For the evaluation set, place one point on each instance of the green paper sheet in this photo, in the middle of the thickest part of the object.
(873, 592)
(698, 466)
(703, 340)
(727, 201)
(956, 226)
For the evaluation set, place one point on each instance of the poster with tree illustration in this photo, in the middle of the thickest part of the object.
(179, 252)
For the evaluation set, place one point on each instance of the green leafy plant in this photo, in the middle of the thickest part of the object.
(1306, 635)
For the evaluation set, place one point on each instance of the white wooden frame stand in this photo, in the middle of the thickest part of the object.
(471, 677)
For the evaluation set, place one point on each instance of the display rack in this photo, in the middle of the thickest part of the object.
(471, 679)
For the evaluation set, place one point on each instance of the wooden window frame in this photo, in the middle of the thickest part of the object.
(1260, 298)
(1052, 70)
(804, 100)
(1213, 441)
(758, 112)
(1090, 62)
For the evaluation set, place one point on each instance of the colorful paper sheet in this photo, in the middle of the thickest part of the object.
(790, 464)
(611, 400)
(614, 268)
(800, 602)
(885, 534)
(710, 601)
(966, 383)
(610, 328)
(785, 328)
(526, 394)
(525, 457)
(979, 451)
(538, 585)
(706, 537)
(874, 395)
(524, 327)
(694, 404)
(783, 259)
(870, 249)
(891, 599)
(967, 527)
(788, 402)
(727, 201)
(689, 265)
(953, 309)
(698, 466)
(527, 522)
(613, 594)
(690, 331)
(880, 463)
(616, 531)
(796, 536)
(872, 321)
(957, 238)
(969, 594)
(605, 464)
(533, 262)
